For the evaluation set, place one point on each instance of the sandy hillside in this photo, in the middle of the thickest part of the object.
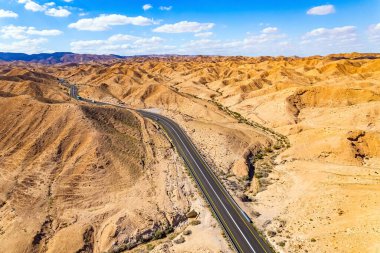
(317, 181)
(80, 178)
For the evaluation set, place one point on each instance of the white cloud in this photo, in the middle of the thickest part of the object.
(166, 8)
(26, 46)
(51, 32)
(184, 27)
(33, 6)
(284, 43)
(60, 12)
(68, 1)
(263, 43)
(47, 8)
(149, 41)
(269, 30)
(336, 33)
(147, 7)
(331, 40)
(374, 33)
(122, 37)
(104, 22)
(322, 10)
(23, 32)
(267, 35)
(118, 44)
(8, 14)
(204, 35)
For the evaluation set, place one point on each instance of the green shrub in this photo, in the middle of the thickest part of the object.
(180, 240)
(195, 222)
(158, 234)
(268, 150)
(259, 156)
(149, 247)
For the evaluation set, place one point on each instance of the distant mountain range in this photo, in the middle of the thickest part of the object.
(58, 57)
(68, 57)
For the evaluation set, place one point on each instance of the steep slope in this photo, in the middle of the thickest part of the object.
(322, 192)
(81, 178)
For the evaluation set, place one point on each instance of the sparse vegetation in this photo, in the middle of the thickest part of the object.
(268, 150)
(259, 156)
(282, 140)
(255, 213)
(180, 240)
(192, 214)
(195, 222)
(149, 247)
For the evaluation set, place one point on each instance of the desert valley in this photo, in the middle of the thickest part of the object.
(294, 140)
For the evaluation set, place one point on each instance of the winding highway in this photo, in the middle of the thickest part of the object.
(234, 220)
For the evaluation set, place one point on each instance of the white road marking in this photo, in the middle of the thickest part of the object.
(210, 185)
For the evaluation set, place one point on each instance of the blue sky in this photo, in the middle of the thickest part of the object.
(134, 27)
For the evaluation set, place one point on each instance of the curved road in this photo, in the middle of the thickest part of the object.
(235, 222)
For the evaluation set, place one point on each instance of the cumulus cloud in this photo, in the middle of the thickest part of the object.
(23, 32)
(184, 27)
(204, 35)
(374, 33)
(322, 10)
(330, 40)
(46, 8)
(34, 6)
(51, 32)
(338, 34)
(29, 46)
(267, 35)
(147, 7)
(104, 22)
(122, 37)
(8, 14)
(266, 42)
(166, 8)
(60, 12)
(270, 30)
(120, 43)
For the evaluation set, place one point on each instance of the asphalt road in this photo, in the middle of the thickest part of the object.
(73, 91)
(234, 221)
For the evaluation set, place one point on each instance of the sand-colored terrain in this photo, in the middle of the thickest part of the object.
(311, 126)
(322, 192)
(81, 178)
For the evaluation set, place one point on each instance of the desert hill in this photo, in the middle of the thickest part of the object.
(309, 127)
(322, 190)
(82, 178)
